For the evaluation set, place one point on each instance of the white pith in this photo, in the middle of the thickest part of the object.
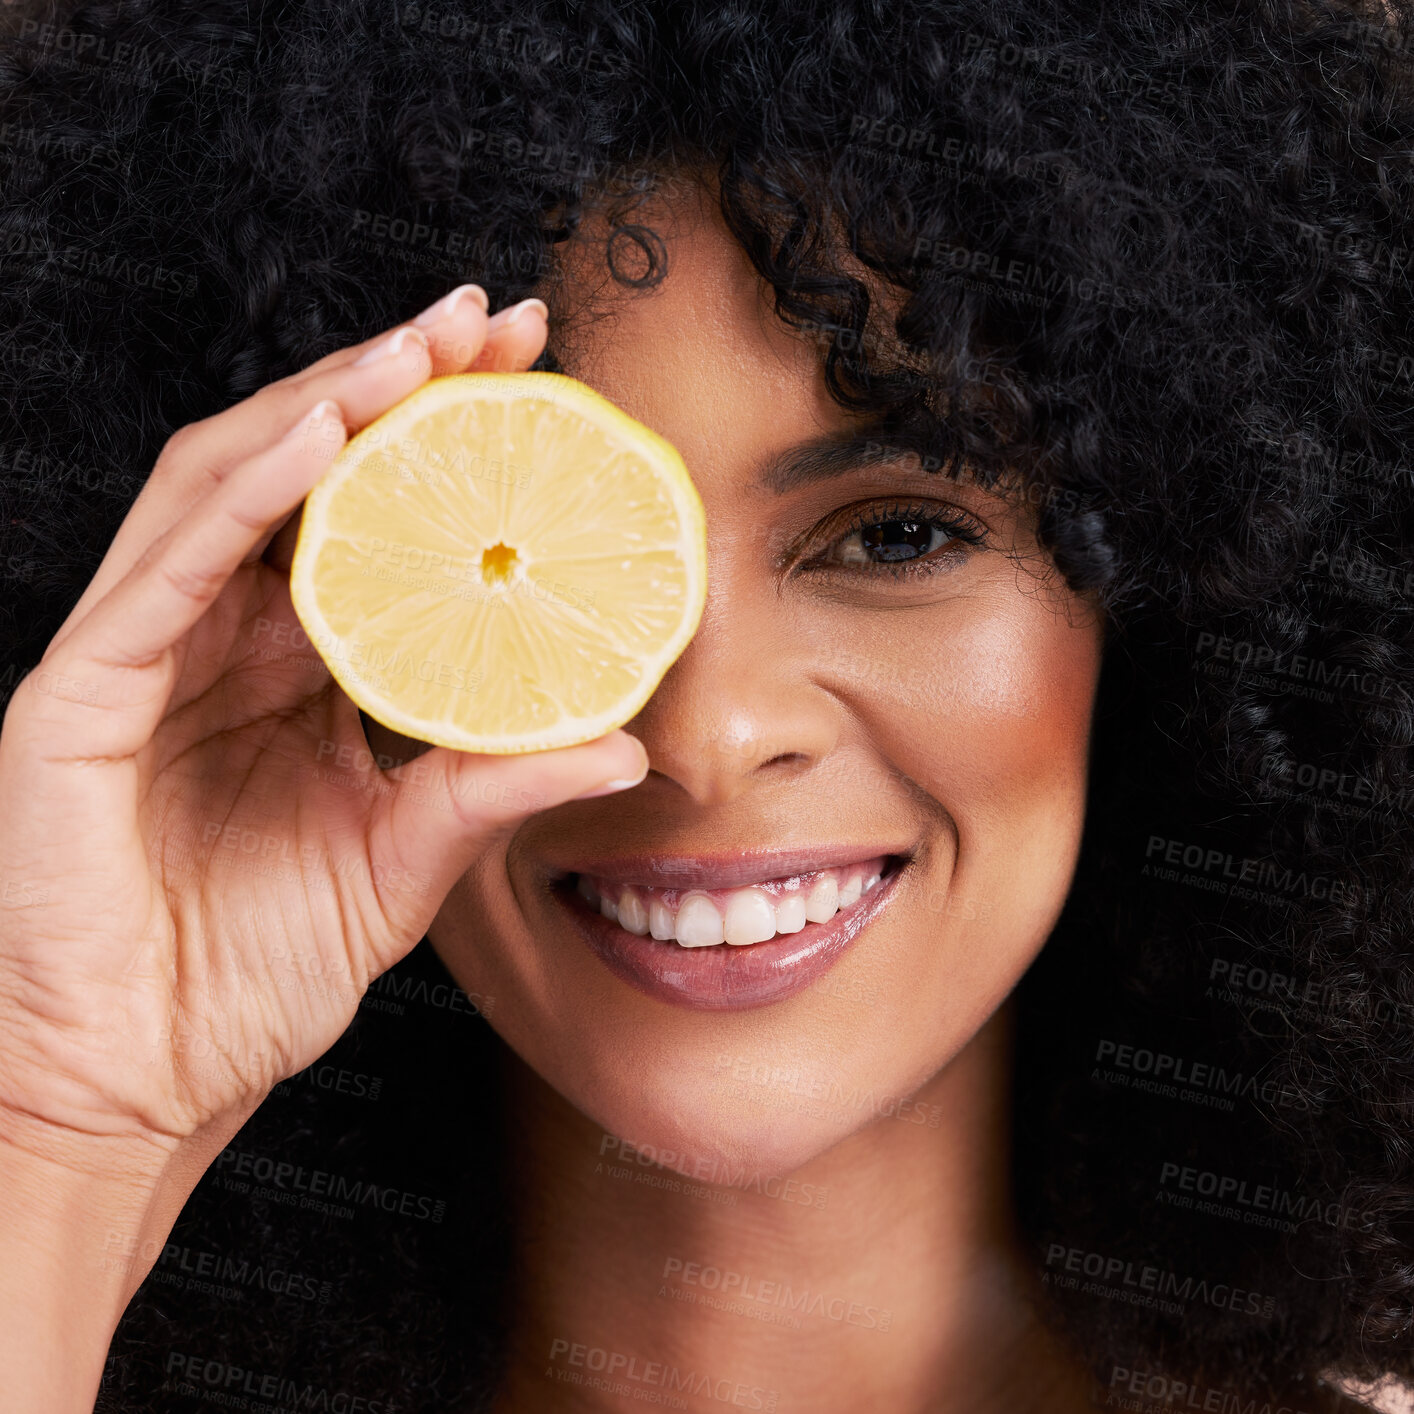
(746, 915)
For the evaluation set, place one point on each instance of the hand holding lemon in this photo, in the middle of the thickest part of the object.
(204, 901)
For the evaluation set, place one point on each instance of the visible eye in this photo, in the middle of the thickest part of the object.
(899, 538)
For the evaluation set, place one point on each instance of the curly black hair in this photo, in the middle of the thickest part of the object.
(1152, 273)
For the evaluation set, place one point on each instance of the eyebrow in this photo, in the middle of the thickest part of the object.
(833, 454)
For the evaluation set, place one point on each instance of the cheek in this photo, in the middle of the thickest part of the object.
(988, 713)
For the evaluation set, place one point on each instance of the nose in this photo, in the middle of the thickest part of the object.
(739, 707)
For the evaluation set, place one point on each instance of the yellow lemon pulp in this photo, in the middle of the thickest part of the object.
(503, 562)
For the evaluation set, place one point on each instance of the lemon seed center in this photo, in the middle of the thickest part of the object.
(496, 563)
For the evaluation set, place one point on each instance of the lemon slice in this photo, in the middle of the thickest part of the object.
(503, 562)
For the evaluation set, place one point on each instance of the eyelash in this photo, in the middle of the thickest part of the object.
(962, 528)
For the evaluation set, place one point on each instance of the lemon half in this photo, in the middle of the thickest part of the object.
(503, 562)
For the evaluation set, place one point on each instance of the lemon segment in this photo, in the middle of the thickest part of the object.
(502, 563)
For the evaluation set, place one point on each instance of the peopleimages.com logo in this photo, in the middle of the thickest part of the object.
(630, 1370)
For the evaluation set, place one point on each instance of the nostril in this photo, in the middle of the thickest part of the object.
(787, 758)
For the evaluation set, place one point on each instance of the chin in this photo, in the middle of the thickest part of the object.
(708, 1132)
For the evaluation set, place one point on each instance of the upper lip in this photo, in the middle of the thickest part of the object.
(725, 871)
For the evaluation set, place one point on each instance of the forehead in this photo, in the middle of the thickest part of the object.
(701, 357)
(704, 342)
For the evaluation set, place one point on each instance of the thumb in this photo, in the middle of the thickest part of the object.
(449, 805)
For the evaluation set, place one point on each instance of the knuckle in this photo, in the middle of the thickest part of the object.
(180, 445)
(207, 449)
(192, 582)
(186, 456)
(248, 522)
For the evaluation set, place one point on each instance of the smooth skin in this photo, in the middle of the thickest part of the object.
(154, 986)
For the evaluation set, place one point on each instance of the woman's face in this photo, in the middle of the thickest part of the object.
(828, 708)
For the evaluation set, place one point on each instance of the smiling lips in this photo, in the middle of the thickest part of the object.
(738, 902)
(730, 931)
(738, 917)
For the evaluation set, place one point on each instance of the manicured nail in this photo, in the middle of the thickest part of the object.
(509, 316)
(390, 348)
(618, 783)
(609, 787)
(447, 305)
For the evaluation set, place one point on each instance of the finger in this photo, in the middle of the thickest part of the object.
(123, 650)
(448, 805)
(445, 344)
(517, 336)
(457, 337)
(461, 339)
(370, 390)
(497, 326)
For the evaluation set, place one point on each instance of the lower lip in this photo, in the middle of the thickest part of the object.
(726, 978)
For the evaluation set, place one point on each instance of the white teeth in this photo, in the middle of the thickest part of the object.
(660, 920)
(750, 917)
(821, 903)
(853, 887)
(698, 924)
(632, 914)
(790, 913)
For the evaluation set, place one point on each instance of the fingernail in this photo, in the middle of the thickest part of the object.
(609, 787)
(509, 316)
(447, 305)
(326, 408)
(390, 348)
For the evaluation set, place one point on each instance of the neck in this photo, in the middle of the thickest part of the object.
(897, 1284)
